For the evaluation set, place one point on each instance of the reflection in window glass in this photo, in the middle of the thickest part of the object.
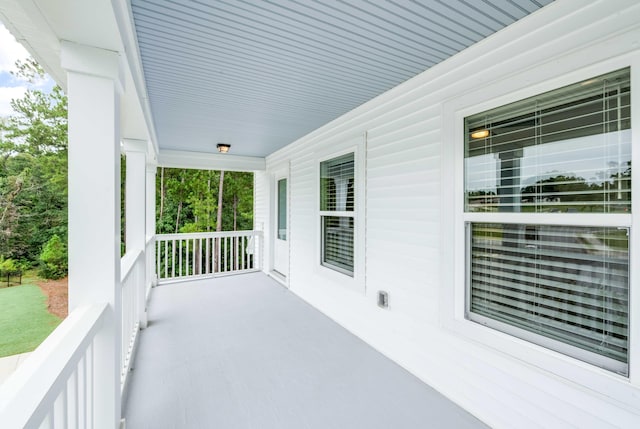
(337, 235)
(562, 286)
(337, 184)
(566, 151)
(564, 283)
(337, 191)
(282, 209)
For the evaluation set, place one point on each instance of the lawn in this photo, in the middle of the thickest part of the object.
(24, 319)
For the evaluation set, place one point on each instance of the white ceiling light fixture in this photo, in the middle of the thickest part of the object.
(223, 147)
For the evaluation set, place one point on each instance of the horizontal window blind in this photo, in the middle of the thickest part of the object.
(337, 235)
(337, 188)
(337, 183)
(564, 283)
(567, 150)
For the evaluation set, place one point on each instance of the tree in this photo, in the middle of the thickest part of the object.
(238, 201)
(203, 200)
(33, 169)
(54, 259)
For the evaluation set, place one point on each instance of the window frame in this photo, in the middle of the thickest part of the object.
(519, 86)
(335, 275)
(339, 214)
(537, 218)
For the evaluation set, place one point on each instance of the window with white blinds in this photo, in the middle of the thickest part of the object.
(553, 283)
(568, 285)
(337, 188)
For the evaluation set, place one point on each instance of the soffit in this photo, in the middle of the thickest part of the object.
(261, 74)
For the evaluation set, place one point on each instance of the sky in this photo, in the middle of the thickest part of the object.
(10, 86)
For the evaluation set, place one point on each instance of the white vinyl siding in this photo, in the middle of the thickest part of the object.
(412, 162)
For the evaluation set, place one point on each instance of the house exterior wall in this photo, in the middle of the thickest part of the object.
(261, 216)
(407, 215)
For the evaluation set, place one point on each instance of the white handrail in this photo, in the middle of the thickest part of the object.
(127, 263)
(192, 235)
(30, 396)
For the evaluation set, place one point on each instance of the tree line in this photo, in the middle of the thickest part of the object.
(203, 200)
(33, 186)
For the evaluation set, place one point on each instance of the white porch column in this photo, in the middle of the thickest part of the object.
(151, 224)
(93, 80)
(135, 217)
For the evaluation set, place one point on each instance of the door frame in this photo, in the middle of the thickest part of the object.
(282, 172)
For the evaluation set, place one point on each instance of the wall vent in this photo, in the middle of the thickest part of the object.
(383, 299)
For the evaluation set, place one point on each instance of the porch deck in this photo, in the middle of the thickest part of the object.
(244, 352)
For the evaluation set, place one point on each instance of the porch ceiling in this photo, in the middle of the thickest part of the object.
(261, 74)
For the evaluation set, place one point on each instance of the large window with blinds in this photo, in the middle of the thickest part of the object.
(532, 169)
(337, 214)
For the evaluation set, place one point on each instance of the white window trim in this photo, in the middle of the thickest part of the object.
(453, 299)
(355, 281)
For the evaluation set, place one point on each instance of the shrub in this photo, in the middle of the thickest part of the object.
(54, 259)
(9, 266)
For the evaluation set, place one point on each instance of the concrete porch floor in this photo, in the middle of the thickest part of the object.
(244, 352)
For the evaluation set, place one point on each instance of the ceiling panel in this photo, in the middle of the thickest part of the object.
(261, 74)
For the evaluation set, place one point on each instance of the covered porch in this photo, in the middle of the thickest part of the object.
(352, 117)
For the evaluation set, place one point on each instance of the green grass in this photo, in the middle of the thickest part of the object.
(24, 319)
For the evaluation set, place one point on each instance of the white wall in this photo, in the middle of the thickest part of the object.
(409, 210)
(261, 215)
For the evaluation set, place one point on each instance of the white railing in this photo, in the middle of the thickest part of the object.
(54, 387)
(132, 280)
(150, 253)
(194, 255)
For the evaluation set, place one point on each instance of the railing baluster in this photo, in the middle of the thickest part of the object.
(173, 258)
(218, 253)
(62, 407)
(72, 409)
(242, 250)
(84, 383)
(186, 243)
(166, 259)
(90, 387)
(235, 253)
(158, 257)
(200, 256)
(206, 257)
(226, 239)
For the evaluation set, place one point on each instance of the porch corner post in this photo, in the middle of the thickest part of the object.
(135, 214)
(93, 87)
(151, 278)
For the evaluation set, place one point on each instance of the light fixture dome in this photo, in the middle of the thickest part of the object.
(223, 147)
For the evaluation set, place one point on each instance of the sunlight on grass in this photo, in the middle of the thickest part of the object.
(24, 319)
